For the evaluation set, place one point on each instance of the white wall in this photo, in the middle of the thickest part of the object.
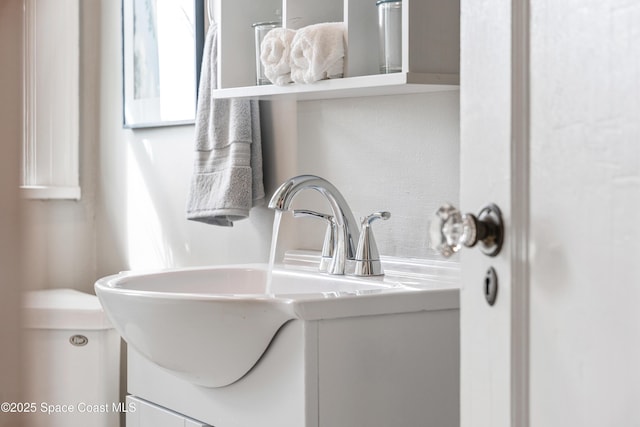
(398, 153)
(10, 133)
(394, 153)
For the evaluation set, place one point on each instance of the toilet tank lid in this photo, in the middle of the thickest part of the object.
(63, 309)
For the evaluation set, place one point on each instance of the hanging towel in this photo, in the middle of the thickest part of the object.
(227, 175)
(276, 55)
(317, 52)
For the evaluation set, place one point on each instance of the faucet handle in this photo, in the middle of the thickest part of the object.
(376, 215)
(367, 262)
(329, 235)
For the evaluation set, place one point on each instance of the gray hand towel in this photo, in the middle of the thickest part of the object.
(227, 176)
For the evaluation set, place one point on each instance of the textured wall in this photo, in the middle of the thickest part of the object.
(396, 153)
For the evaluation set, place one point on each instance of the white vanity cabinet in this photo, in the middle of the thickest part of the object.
(430, 46)
(398, 370)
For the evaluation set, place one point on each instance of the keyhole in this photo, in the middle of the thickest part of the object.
(491, 286)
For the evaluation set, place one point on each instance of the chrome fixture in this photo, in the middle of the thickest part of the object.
(346, 228)
(450, 230)
(329, 235)
(367, 262)
(343, 231)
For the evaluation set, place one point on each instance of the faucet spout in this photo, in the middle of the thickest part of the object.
(346, 227)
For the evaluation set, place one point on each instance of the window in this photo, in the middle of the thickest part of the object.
(51, 99)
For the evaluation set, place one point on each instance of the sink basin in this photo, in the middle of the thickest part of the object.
(211, 325)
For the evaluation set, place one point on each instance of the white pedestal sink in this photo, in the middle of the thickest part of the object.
(214, 344)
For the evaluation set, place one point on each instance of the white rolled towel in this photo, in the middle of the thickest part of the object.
(318, 52)
(275, 55)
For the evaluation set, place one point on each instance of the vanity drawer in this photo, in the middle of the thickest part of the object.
(145, 414)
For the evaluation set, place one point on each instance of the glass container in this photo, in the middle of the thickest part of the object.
(261, 29)
(390, 35)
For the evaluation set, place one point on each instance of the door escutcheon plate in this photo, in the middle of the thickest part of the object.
(491, 286)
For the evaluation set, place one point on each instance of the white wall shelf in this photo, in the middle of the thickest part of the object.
(380, 84)
(430, 47)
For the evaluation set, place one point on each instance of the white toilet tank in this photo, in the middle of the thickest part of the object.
(72, 361)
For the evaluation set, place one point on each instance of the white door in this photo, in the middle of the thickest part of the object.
(550, 112)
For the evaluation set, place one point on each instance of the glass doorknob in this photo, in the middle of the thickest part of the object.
(450, 230)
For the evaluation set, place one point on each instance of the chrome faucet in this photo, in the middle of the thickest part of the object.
(344, 225)
(329, 236)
